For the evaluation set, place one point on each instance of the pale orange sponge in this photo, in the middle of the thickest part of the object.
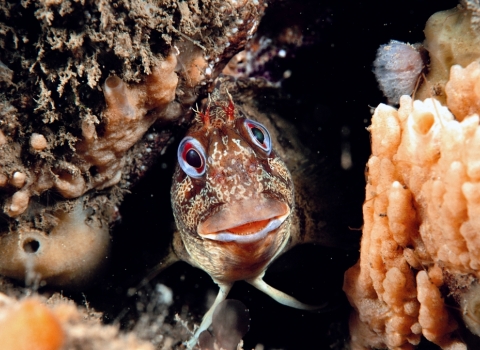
(421, 221)
(31, 326)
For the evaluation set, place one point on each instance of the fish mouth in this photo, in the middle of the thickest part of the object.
(244, 221)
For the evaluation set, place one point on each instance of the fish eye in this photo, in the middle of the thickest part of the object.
(259, 135)
(191, 157)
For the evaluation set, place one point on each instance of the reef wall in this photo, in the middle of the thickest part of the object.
(90, 91)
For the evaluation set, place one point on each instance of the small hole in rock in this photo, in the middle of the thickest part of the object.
(93, 170)
(31, 246)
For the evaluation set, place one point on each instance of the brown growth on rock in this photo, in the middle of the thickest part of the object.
(130, 112)
(82, 85)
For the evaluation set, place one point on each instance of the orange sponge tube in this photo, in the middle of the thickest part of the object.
(31, 326)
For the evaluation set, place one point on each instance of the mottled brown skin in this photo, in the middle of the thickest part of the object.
(237, 169)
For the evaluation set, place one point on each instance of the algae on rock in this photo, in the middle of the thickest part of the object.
(90, 91)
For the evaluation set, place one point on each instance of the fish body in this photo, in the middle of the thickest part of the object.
(233, 200)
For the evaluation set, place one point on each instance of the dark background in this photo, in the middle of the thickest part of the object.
(329, 97)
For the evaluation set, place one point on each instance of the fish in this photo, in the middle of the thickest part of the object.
(234, 200)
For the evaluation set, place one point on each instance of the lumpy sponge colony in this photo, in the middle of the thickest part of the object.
(421, 234)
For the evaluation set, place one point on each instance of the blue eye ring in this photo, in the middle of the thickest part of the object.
(259, 135)
(191, 157)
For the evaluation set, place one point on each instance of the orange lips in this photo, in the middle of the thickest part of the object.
(244, 221)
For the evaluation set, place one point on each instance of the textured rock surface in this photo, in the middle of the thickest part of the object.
(85, 87)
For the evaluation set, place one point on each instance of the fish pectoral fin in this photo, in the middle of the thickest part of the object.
(280, 296)
(169, 258)
(207, 318)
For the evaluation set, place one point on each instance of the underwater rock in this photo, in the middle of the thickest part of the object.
(90, 92)
(69, 254)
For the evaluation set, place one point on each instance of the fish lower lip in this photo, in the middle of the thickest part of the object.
(230, 235)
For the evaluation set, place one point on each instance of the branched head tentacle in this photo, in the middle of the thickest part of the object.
(230, 109)
(203, 117)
